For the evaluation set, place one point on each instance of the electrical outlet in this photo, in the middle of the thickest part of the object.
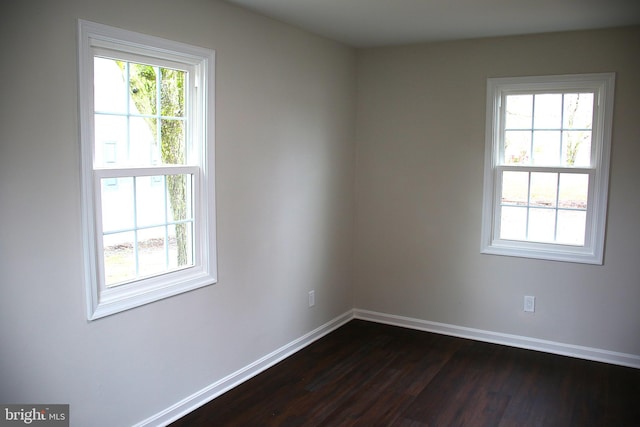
(312, 298)
(529, 303)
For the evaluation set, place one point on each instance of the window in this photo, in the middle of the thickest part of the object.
(146, 108)
(547, 166)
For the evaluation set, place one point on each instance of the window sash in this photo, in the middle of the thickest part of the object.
(498, 205)
(165, 171)
(501, 99)
(192, 119)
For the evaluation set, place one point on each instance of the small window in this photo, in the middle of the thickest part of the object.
(547, 166)
(146, 107)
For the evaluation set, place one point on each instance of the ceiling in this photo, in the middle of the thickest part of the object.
(367, 23)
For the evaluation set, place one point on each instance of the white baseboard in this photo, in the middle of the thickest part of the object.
(588, 353)
(214, 390)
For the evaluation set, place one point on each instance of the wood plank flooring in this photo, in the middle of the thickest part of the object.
(368, 374)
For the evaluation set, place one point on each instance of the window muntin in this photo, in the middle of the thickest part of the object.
(147, 158)
(546, 166)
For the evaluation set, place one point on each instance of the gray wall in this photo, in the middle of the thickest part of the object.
(285, 129)
(420, 147)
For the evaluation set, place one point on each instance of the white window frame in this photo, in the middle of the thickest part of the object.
(102, 301)
(592, 252)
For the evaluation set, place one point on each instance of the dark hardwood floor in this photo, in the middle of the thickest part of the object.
(368, 374)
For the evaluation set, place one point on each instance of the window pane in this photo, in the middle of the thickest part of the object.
(515, 188)
(181, 245)
(571, 227)
(110, 152)
(578, 110)
(179, 188)
(519, 111)
(109, 89)
(546, 148)
(544, 187)
(150, 201)
(143, 150)
(110, 140)
(152, 256)
(576, 148)
(548, 111)
(574, 189)
(542, 225)
(173, 147)
(117, 204)
(119, 258)
(513, 223)
(143, 90)
(517, 146)
(172, 93)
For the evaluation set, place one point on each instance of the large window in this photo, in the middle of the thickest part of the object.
(146, 108)
(547, 166)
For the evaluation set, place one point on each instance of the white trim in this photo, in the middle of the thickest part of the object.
(112, 38)
(592, 252)
(94, 38)
(519, 341)
(236, 378)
